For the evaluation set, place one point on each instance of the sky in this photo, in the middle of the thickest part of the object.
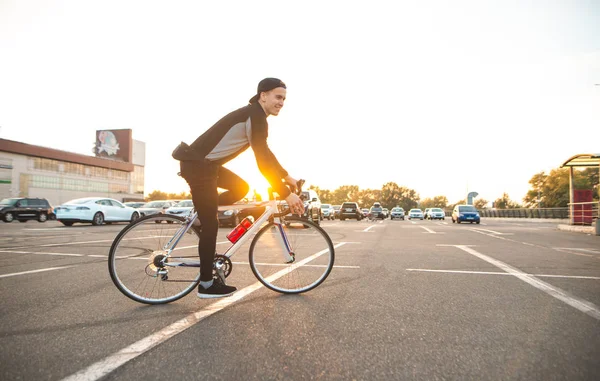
(443, 97)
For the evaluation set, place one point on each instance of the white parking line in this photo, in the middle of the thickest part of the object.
(594, 251)
(42, 253)
(498, 273)
(284, 264)
(491, 231)
(86, 242)
(114, 361)
(40, 229)
(369, 228)
(580, 304)
(34, 271)
(428, 230)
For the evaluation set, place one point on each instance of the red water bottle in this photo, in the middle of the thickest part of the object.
(239, 230)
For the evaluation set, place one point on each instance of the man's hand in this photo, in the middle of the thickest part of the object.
(291, 181)
(296, 205)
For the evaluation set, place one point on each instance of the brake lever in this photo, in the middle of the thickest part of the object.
(299, 184)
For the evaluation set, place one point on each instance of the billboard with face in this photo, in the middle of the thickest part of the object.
(114, 144)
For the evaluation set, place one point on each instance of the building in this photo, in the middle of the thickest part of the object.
(116, 170)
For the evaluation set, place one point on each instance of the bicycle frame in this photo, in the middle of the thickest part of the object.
(271, 208)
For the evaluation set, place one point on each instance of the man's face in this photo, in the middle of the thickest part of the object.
(272, 101)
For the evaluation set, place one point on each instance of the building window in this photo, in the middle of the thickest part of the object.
(138, 179)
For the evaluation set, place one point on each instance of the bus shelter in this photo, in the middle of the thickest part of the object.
(580, 212)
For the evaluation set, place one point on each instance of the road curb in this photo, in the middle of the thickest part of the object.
(578, 229)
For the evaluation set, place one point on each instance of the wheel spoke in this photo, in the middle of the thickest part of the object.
(313, 257)
(135, 261)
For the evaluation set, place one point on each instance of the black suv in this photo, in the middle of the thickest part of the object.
(23, 209)
(350, 210)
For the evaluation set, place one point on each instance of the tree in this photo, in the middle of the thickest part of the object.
(552, 190)
(179, 196)
(345, 193)
(533, 196)
(436, 202)
(408, 199)
(324, 194)
(480, 203)
(505, 202)
(393, 195)
(156, 195)
(390, 195)
(367, 197)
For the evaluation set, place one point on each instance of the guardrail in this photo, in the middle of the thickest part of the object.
(578, 213)
(558, 213)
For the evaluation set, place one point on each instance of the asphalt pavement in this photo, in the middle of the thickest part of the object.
(407, 300)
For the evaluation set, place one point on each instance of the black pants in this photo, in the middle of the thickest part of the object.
(204, 178)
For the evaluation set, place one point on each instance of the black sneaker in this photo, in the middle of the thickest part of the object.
(217, 290)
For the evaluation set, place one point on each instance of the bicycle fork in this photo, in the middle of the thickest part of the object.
(288, 255)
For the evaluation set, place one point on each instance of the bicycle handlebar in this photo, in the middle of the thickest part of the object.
(298, 191)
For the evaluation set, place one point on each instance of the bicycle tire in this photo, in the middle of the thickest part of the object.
(313, 250)
(136, 250)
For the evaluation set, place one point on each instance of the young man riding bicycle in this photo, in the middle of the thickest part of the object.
(202, 168)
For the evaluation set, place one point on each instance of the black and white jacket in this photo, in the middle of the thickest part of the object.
(233, 134)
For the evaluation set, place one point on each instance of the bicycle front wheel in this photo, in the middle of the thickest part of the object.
(137, 264)
(311, 249)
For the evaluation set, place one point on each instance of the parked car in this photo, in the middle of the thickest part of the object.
(23, 209)
(312, 206)
(415, 213)
(350, 210)
(365, 212)
(155, 207)
(336, 213)
(436, 214)
(327, 211)
(465, 213)
(182, 208)
(135, 204)
(229, 217)
(376, 212)
(397, 212)
(96, 210)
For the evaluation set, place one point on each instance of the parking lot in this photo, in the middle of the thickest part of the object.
(406, 300)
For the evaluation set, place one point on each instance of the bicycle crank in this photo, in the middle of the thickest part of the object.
(222, 266)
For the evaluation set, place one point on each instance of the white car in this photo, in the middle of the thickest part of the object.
(415, 213)
(436, 214)
(327, 211)
(182, 208)
(96, 210)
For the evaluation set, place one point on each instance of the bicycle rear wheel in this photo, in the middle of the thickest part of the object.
(135, 265)
(312, 250)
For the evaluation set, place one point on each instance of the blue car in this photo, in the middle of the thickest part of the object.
(465, 213)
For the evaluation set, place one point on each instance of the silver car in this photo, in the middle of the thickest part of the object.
(415, 213)
(155, 207)
(397, 213)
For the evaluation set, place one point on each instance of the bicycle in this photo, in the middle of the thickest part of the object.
(157, 263)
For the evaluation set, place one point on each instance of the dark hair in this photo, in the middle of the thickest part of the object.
(265, 85)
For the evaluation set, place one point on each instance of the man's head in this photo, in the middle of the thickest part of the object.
(270, 94)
